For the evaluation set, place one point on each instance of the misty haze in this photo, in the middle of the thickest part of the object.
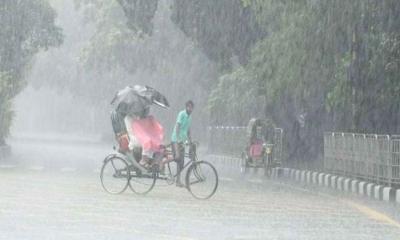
(199, 119)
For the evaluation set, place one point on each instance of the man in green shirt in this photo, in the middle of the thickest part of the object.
(181, 134)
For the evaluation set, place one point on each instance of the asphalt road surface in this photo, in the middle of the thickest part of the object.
(50, 189)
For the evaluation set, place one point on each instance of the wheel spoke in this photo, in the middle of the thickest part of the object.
(142, 183)
(195, 182)
(202, 180)
(114, 175)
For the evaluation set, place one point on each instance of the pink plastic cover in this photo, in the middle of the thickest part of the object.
(256, 149)
(149, 133)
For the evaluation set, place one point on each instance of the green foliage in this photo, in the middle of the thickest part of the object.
(223, 29)
(336, 61)
(140, 14)
(233, 98)
(111, 39)
(117, 55)
(26, 28)
(337, 97)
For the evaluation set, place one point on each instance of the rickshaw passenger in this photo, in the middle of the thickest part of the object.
(256, 143)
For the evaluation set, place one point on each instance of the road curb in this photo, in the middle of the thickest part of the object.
(354, 186)
(321, 178)
(388, 194)
(315, 178)
(370, 190)
(347, 185)
(362, 188)
(327, 180)
(334, 182)
(303, 176)
(308, 177)
(298, 175)
(339, 183)
(378, 192)
(398, 196)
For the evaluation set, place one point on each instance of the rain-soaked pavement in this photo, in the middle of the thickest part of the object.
(52, 191)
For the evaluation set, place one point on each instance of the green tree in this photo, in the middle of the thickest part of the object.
(333, 62)
(336, 61)
(118, 55)
(27, 27)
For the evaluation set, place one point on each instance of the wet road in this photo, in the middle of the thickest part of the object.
(52, 191)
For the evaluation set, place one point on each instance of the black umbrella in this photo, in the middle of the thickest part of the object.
(136, 100)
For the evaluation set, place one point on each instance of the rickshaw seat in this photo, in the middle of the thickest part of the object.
(256, 148)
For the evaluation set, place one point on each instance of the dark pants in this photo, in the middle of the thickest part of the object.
(179, 155)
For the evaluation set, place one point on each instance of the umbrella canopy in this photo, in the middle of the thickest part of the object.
(152, 95)
(137, 100)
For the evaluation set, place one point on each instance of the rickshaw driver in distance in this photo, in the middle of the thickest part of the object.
(181, 134)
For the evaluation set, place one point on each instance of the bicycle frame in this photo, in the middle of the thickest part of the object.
(122, 167)
(191, 155)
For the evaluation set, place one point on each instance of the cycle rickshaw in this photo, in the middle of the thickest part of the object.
(262, 148)
(120, 171)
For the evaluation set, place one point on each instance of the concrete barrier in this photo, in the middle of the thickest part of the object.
(303, 177)
(298, 175)
(277, 173)
(314, 177)
(378, 192)
(293, 174)
(309, 177)
(347, 185)
(362, 188)
(333, 181)
(398, 196)
(321, 179)
(388, 194)
(339, 184)
(354, 186)
(327, 180)
(370, 190)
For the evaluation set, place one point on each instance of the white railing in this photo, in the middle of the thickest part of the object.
(370, 157)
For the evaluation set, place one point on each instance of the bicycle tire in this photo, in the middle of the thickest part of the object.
(196, 174)
(144, 182)
(268, 167)
(115, 168)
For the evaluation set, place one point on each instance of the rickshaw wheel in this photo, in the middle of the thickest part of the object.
(201, 180)
(114, 175)
(244, 165)
(143, 183)
(267, 167)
